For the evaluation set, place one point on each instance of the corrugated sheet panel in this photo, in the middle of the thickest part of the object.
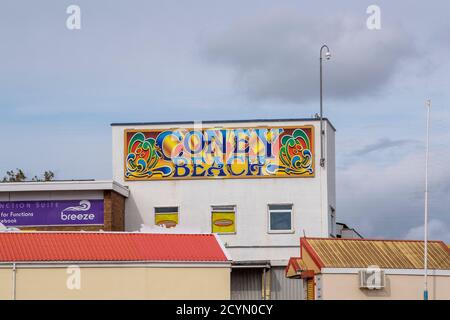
(282, 288)
(104, 246)
(310, 292)
(391, 254)
(246, 284)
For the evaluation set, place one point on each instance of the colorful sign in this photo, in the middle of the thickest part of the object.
(219, 153)
(168, 220)
(223, 222)
(51, 213)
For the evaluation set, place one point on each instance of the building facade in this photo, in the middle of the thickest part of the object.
(258, 184)
(63, 205)
(359, 269)
(112, 265)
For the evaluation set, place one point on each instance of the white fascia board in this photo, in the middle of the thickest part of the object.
(120, 189)
(432, 272)
(64, 186)
(221, 124)
(279, 263)
(222, 246)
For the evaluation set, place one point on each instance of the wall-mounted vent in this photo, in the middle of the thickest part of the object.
(372, 278)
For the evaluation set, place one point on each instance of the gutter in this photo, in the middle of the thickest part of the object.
(388, 271)
(119, 264)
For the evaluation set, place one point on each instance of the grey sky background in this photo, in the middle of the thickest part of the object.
(196, 60)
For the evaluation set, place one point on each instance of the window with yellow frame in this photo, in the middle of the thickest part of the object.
(166, 216)
(223, 219)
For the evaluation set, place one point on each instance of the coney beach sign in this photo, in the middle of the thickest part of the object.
(155, 154)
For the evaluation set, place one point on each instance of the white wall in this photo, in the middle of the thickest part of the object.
(330, 181)
(310, 197)
(125, 281)
(398, 287)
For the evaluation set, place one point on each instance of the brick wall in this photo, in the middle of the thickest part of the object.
(114, 211)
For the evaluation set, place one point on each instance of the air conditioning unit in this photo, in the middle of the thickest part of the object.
(372, 279)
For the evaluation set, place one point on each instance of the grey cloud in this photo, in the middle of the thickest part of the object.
(276, 56)
(436, 228)
(384, 143)
(387, 200)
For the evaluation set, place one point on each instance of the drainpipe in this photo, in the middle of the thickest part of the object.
(14, 281)
(264, 284)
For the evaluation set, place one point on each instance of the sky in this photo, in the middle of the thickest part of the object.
(209, 60)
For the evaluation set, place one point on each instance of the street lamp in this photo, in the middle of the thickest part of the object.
(328, 57)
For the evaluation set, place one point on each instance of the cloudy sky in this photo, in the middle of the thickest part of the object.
(197, 59)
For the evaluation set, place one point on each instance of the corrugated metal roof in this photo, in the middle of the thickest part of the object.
(104, 246)
(389, 254)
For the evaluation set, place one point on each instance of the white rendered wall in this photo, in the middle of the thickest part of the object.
(310, 198)
(331, 177)
(398, 287)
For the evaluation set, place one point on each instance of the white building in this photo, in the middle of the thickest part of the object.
(259, 214)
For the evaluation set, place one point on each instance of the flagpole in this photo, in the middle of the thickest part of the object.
(425, 226)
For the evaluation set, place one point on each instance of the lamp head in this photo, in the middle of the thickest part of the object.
(328, 55)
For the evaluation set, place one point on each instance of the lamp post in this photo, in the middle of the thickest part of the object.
(425, 225)
(327, 56)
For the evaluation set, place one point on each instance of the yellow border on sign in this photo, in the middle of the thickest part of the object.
(213, 213)
(125, 152)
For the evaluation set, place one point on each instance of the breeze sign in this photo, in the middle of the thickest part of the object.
(219, 153)
(51, 213)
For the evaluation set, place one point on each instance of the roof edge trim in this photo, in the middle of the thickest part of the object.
(118, 124)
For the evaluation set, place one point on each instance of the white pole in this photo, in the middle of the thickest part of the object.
(14, 281)
(425, 225)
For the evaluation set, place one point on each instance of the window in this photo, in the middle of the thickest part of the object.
(166, 216)
(223, 219)
(280, 218)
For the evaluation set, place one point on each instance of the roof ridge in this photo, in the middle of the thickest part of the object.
(105, 232)
(367, 239)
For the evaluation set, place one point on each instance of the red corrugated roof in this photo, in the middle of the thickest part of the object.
(103, 246)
